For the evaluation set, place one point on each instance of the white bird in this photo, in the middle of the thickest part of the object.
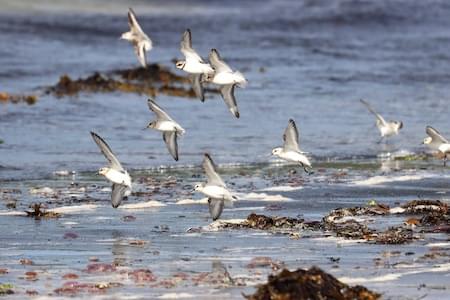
(387, 129)
(137, 37)
(215, 189)
(114, 172)
(168, 126)
(193, 64)
(291, 150)
(227, 79)
(437, 141)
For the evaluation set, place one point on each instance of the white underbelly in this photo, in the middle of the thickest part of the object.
(445, 148)
(217, 192)
(224, 78)
(296, 157)
(167, 126)
(197, 68)
(118, 177)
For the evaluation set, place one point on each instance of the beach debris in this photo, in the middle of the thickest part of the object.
(100, 268)
(17, 98)
(31, 276)
(425, 206)
(218, 277)
(26, 262)
(263, 262)
(70, 235)
(263, 222)
(6, 289)
(141, 276)
(3, 271)
(70, 276)
(393, 235)
(309, 284)
(152, 80)
(72, 288)
(38, 212)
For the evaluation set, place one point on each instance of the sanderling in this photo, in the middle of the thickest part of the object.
(114, 172)
(227, 79)
(214, 188)
(137, 37)
(291, 150)
(387, 129)
(168, 126)
(437, 141)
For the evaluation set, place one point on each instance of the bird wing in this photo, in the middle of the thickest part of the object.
(227, 92)
(159, 112)
(170, 138)
(217, 63)
(140, 53)
(436, 135)
(215, 208)
(291, 136)
(186, 47)
(211, 174)
(107, 152)
(197, 86)
(377, 115)
(117, 194)
(132, 21)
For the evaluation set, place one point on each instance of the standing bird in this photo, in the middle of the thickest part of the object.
(193, 64)
(137, 37)
(168, 126)
(291, 150)
(227, 79)
(387, 129)
(114, 172)
(436, 141)
(214, 188)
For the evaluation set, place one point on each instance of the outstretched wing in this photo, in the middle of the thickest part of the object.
(290, 137)
(186, 47)
(159, 112)
(436, 135)
(377, 115)
(197, 86)
(170, 138)
(132, 21)
(117, 194)
(211, 174)
(215, 208)
(141, 54)
(217, 63)
(107, 152)
(227, 92)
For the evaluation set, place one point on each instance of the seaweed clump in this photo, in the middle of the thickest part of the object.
(150, 81)
(263, 222)
(37, 212)
(14, 98)
(309, 284)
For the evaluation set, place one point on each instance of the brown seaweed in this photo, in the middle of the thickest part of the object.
(309, 284)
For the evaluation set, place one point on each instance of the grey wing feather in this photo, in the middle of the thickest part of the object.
(132, 21)
(436, 135)
(170, 138)
(197, 86)
(227, 92)
(215, 208)
(186, 47)
(160, 113)
(211, 174)
(107, 152)
(217, 63)
(291, 137)
(117, 194)
(377, 115)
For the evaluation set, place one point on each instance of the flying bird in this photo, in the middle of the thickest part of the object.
(114, 172)
(437, 141)
(291, 150)
(227, 79)
(387, 128)
(167, 125)
(214, 188)
(193, 64)
(137, 37)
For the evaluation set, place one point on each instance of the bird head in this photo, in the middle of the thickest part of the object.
(152, 124)
(103, 171)
(277, 151)
(180, 64)
(198, 187)
(427, 140)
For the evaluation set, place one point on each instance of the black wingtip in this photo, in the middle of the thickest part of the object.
(115, 205)
(237, 115)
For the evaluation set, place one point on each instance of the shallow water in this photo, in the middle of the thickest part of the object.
(307, 60)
